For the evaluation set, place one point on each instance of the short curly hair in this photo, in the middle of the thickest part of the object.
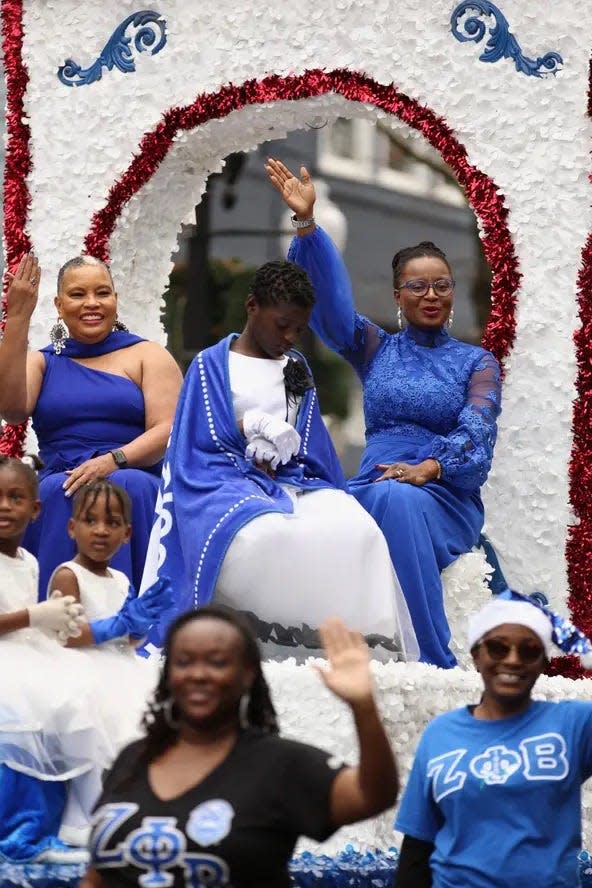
(282, 282)
(79, 262)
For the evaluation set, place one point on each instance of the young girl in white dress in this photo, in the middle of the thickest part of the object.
(116, 621)
(48, 731)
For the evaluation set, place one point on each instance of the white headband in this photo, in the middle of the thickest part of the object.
(499, 611)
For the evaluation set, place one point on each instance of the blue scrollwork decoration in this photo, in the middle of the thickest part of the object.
(118, 52)
(467, 25)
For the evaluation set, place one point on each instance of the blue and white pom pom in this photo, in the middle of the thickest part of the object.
(564, 634)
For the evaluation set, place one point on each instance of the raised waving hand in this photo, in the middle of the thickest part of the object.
(348, 673)
(23, 289)
(297, 193)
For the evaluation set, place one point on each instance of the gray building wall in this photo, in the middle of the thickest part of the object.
(380, 222)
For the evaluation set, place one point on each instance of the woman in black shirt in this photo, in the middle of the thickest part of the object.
(212, 796)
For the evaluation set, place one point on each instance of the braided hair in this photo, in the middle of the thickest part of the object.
(87, 495)
(78, 262)
(26, 472)
(425, 248)
(282, 282)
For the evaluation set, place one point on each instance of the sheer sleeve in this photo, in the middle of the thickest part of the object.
(466, 453)
(334, 318)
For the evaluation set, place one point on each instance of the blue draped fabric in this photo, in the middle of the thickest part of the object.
(209, 490)
(82, 413)
(425, 395)
(31, 812)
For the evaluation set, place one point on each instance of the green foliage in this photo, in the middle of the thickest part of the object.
(228, 289)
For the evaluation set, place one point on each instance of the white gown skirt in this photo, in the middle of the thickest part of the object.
(329, 558)
(49, 727)
(64, 712)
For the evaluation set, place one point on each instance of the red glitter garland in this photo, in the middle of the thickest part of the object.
(579, 543)
(480, 190)
(16, 169)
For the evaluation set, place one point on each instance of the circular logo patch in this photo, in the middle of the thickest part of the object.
(210, 822)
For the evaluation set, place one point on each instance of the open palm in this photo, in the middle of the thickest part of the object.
(297, 193)
(348, 675)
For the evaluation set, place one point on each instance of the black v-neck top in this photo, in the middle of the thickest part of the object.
(238, 827)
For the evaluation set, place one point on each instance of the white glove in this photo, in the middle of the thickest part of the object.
(261, 451)
(61, 615)
(284, 437)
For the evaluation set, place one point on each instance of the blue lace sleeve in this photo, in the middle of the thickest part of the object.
(466, 453)
(334, 318)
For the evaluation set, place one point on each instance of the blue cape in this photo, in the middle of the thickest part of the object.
(208, 489)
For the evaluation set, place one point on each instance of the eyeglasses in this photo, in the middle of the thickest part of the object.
(498, 650)
(419, 287)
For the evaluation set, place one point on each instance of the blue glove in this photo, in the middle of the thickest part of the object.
(136, 615)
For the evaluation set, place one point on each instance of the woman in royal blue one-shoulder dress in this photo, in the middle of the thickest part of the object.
(102, 401)
(430, 404)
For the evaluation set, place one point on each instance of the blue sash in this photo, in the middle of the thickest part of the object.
(117, 339)
(208, 489)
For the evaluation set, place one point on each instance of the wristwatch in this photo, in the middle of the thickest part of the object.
(301, 223)
(120, 458)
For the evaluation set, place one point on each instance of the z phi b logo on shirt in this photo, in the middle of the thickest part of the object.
(157, 846)
(542, 757)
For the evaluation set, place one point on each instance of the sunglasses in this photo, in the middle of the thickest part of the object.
(419, 287)
(498, 650)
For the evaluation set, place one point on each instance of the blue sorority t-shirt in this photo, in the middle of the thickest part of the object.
(500, 800)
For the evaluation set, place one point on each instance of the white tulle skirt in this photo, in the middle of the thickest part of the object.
(64, 712)
(328, 558)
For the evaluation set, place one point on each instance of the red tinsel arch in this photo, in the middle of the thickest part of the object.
(579, 543)
(481, 191)
(16, 169)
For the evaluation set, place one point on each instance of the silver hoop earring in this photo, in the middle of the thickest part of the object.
(167, 713)
(450, 318)
(243, 710)
(400, 318)
(58, 335)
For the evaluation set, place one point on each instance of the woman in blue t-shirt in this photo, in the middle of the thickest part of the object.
(493, 798)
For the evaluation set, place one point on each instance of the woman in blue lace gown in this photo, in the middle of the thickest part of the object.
(102, 401)
(430, 405)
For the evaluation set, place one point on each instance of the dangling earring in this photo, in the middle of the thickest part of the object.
(58, 335)
(243, 710)
(167, 712)
(400, 318)
(450, 318)
(119, 325)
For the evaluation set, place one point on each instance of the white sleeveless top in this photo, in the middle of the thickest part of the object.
(19, 582)
(99, 596)
(19, 578)
(259, 383)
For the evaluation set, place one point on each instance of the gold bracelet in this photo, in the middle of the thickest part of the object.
(439, 464)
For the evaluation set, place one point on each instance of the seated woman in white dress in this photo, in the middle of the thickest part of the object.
(252, 509)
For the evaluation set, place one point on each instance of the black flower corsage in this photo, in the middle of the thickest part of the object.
(297, 379)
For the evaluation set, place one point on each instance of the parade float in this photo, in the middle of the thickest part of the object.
(118, 112)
